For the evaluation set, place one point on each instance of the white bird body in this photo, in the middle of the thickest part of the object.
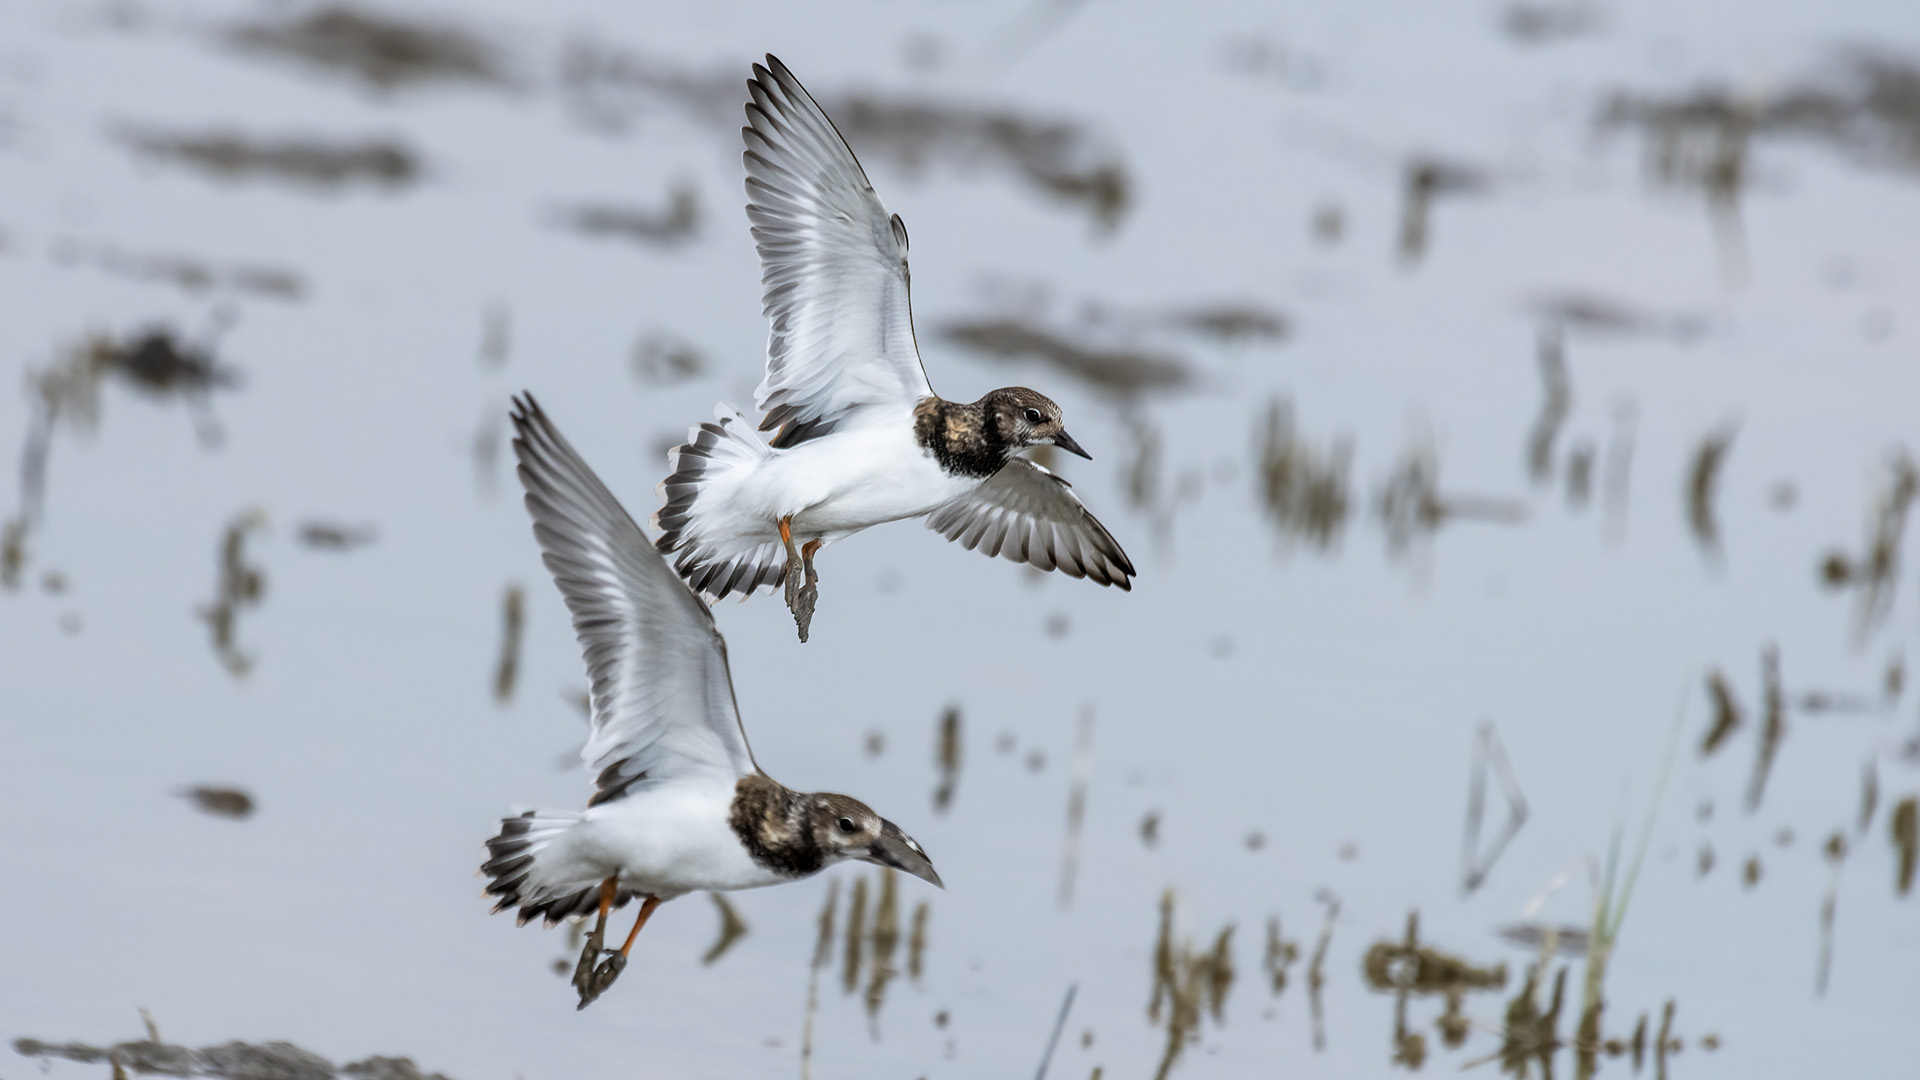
(663, 840)
(860, 438)
(866, 474)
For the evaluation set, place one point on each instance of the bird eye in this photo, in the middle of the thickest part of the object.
(847, 825)
(1033, 416)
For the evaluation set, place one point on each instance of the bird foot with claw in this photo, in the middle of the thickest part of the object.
(583, 971)
(801, 598)
(596, 983)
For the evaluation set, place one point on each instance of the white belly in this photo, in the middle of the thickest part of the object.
(670, 840)
(852, 479)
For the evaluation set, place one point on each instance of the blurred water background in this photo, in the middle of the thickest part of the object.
(1509, 407)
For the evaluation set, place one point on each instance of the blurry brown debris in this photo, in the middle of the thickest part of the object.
(1303, 488)
(496, 334)
(1726, 713)
(13, 551)
(1150, 829)
(947, 758)
(1904, 828)
(822, 954)
(1565, 940)
(506, 671)
(1413, 968)
(330, 536)
(1407, 969)
(662, 358)
(1233, 323)
(1281, 955)
(1489, 758)
(1076, 806)
(917, 941)
(886, 941)
(227, 1061)
(1869, 795)
(1700, 142)
(190, 274)
(732, 929)
(607, 86)
(856, 936)
(1120, 372)
(231, 803)
(377, 48)
(1876, 573)
(1057, 157)
(674, 225)
(1592, 315)
(241, 586)
(1703, 481)
(1557, 403)
(1579, 475)
(1317, 973)
(1869, 109)
(1773, 725)
(1412, 508)
(1191, 984)
(1541, 24)
(1425, 179)
(312, 162)
(1531, 1033)
(1836, 852)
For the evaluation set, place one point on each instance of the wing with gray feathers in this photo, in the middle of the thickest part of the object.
(661, 696)
(1027, 514)
(833, 264)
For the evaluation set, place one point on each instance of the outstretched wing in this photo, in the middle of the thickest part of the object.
(661, 696)
(834, 267)
(1027, 514)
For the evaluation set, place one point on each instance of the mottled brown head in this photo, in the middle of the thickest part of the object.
(1017, 417)
(846, 828)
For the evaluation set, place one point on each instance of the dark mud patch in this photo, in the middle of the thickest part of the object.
(311, 163)
(377, 49)
(221, 802)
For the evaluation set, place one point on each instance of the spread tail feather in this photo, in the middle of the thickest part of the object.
(713, 449)
(518, 875)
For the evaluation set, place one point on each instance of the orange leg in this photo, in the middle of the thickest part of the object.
(646, 909)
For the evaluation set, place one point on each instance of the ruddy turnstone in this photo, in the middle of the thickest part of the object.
(860, 437)
(678, 804)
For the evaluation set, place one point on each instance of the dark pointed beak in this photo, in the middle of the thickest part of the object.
(1065, 442)
(900, 851)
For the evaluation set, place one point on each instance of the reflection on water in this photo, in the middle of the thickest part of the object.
(1238, 345)
(1703, 485)
(1189, 985)
(506, 670)
(1303, 487)
(732, 929)
(226, 1061)
(241, 586)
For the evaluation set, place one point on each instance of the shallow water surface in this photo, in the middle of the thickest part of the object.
(1510, 412)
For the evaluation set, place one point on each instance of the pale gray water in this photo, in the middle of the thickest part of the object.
(1327, 700)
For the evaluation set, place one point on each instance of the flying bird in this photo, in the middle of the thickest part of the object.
(679, 805)
(859, 436)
